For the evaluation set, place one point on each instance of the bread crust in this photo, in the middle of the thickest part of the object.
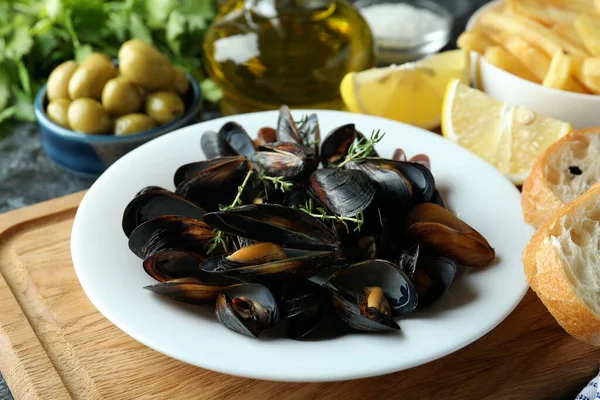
(538, 200)
(545, 272)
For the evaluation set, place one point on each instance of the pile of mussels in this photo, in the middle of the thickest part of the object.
(263, 232)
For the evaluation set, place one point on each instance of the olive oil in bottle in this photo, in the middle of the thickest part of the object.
(265, 53)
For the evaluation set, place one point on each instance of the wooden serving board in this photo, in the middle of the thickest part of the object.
(55, 345)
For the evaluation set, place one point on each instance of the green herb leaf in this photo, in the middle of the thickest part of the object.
(210, 90)
(158, 11)
(82, 52)
(20, 44)
(138, 29)
(175, 28)
(24, 78)
(7, 113)
(23, 105)
(4, 88)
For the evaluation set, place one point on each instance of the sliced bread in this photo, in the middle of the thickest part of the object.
(567, 169)
(562, 265)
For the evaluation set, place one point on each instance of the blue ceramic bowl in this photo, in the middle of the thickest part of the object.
(90, 155)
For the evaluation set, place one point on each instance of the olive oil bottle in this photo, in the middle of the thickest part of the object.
(265, 53)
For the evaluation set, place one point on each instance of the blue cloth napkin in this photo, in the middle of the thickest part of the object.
(590, 391)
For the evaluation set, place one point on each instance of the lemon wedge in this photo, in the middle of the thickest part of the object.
(509, 137)
(411, 93)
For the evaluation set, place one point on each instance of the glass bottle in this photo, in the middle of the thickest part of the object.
(265, 53)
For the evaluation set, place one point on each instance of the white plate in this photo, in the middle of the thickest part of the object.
(113, 277)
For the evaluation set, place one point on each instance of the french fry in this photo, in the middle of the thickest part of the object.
(589, 30)
(591, 81)
(535, 61)
(559, 71)
(474, 41)
(574, 5)
(544, 13)
(597, 5)
(570, 34)
(499, 57)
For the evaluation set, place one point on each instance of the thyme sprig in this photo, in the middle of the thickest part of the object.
(278, 182)
(321, 213)
(362, 149)
(219, 239)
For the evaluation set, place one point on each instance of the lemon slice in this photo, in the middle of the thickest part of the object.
(411, 93)
(510, 138)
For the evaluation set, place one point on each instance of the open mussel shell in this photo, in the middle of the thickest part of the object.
(296, 198)
(287, 130)
(215, 146)
(151, 189)
(311, 132)
(334, 148)
(247, 308)
(187, 171)
(371, 241)
(419, 175)
(176, 264)
(397, 287)
(296, 264)
(156, 203)
(432, 278)
(169, 232)
(188, 290)
(285, 226)
(237, 138)
(436, 228)
(291, 161)
(345, 192)
(302, 304)
(215, 185)
(399, 155)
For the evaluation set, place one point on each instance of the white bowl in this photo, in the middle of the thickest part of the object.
(580, 110)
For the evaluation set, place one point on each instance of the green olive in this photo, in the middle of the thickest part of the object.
(97, 57)
(180, 83)
(143, 92)
(164, 107)
(88, 116)
(121, 97)
(133, 123)
(57, 112)
(144, 65)
(89, 78)
(58, 81)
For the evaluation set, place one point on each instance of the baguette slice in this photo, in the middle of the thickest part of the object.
(563, 172)
(562, 265)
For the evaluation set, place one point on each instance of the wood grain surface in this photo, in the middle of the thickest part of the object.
(55, 345)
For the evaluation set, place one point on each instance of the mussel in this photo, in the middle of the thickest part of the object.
(268, 261)
(215, 185)
(419, 175)
(169, 232)
(264, 136)
(336, 144)
(155, 203)
(287, 130)
(436, 228)
(188, 290)
(302, 304)
(311, 134)
(237, 138)
(247, 308)
(344, 192)
(291, 161)
(275, 223)
(432, 278)
(215, 146)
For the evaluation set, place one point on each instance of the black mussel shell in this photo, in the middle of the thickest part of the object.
(287, 130)
(347, 307)
(408, 259)
(302, 304)
(215, 146)
(291, 161)
(175, 264)
(432, 278)
(285, 226)
(398, 289)
(371, 241)
(438, 199)
(157, 203)
(216, 185)
(151, 189)
(247, 309)
(296, 198)
(187, 290)
(190, 170)
(362, 139)
(311, 132)
(169, 232)
(344, 192)
(237, 138)
(298, 264)
(419, 175)
(334, 148)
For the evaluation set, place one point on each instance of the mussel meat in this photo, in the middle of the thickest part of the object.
(345, 192)
(436, 228)
(155, 203)
(247, 308)
(264, 136)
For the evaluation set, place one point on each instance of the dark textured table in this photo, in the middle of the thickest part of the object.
(27, 176)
